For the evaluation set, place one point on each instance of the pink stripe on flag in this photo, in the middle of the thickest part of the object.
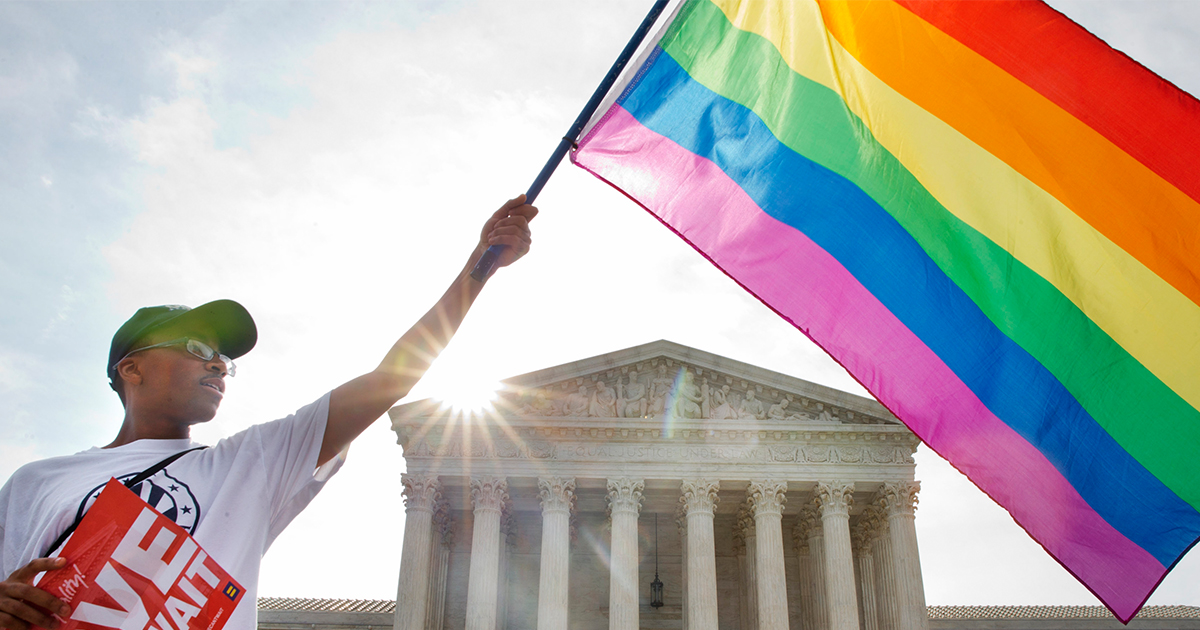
(709, 210)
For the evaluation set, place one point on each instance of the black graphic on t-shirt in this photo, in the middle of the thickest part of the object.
(170, 496)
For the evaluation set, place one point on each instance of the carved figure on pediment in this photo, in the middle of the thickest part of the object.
(604, 402)
(705, 406)
(541, 405)
(751, 407)
(780, 412)
(632, 397)
(722, 409)
(688, 403)
(825, 416)
(660, 391)
(578, 402)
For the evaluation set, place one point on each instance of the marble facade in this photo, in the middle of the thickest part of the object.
(780, 504)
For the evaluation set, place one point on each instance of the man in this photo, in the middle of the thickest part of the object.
(168, 365)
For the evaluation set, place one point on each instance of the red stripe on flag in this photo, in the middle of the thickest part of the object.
(1145, 115)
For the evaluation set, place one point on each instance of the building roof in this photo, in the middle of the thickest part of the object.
(935, 612)
(1057, 612)
(327, 605)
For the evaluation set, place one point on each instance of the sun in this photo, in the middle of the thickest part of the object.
(472, 398)
(467, 391)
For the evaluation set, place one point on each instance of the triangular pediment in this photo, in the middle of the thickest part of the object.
(663, 378)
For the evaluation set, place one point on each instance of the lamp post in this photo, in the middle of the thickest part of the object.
(656, 587)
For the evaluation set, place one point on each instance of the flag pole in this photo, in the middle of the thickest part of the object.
(483, 269)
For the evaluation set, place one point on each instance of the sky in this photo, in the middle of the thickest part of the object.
(328, 165)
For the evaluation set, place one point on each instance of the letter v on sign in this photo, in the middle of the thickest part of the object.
(133, 617)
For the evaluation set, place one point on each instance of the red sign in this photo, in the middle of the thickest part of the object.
(131, 568)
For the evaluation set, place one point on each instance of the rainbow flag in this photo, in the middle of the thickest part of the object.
(983, 212)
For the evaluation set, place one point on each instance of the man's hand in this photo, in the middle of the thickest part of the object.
(23, 605)
(356, 404)
(509, 226)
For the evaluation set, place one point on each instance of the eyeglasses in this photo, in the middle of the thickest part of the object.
(196, 348)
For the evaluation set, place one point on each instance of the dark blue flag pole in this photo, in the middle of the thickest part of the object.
(483, 268)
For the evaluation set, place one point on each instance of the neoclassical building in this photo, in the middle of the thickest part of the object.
(756, 501)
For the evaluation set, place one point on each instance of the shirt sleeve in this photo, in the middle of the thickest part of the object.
(290, 448)
(6, 556)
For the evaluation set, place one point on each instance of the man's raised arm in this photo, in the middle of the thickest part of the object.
(356, 404)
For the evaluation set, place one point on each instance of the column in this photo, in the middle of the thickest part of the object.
(508, 544)
(681, 523)
(767, 497)
(699, 499)
(808, 597)
(439, 564)
(488, 495)
(558, 497)
(863, 539)
(834, 499)
(739, 551)
(900, 503)
(886, 600)
(745, 529)
(420, 494)
(624, 503)
(819, 612)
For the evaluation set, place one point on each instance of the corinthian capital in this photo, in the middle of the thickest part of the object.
(681, 518)
(808, 525)
(862, 535)
(625, 495)
(700, 495)
(872, 522)
(745, 520)
(489, 493)
(557, 493)
(767, 496)
(834, 497)
(800, 535)
(899, 498)
(444, 523)
(420, 491)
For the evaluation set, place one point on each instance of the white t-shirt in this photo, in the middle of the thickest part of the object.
(234, 498)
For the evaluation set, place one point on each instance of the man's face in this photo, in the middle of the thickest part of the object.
(177, 386)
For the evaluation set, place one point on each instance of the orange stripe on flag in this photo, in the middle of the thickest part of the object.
(1134, 207)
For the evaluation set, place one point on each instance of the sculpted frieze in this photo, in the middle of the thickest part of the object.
(664, 388)
(503, 447)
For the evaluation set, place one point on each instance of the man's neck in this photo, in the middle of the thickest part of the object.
(133, 430)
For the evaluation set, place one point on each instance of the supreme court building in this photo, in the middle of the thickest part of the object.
(758, 500)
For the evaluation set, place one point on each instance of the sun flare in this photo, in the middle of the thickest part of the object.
(468, 393)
